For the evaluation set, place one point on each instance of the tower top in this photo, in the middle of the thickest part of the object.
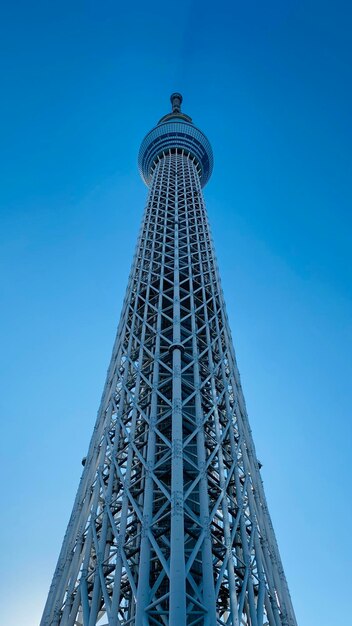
(175, 131)
(176, 101)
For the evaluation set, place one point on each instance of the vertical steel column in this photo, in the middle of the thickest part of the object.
(143, 594)
(177, 558)
(207, 557)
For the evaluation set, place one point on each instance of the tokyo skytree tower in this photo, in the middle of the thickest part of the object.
(170, 525)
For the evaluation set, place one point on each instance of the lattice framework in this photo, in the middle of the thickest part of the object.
(170, 525)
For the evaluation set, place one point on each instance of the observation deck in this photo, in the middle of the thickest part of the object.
(175, 131)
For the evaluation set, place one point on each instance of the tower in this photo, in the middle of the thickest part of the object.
(170, 524)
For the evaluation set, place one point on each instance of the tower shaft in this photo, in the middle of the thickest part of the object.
(170, 525)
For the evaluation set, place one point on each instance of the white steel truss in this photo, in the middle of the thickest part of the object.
(170, 525)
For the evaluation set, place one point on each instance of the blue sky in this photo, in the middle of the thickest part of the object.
(270, 85)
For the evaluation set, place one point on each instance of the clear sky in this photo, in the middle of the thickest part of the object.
(270, 84)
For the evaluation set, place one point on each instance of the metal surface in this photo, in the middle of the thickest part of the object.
(170, 524)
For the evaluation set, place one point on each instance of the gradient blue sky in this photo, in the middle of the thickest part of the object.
(270, 84)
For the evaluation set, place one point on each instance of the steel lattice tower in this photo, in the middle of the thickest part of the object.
(170, 524)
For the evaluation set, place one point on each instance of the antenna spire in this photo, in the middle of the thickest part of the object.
(176, 101)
